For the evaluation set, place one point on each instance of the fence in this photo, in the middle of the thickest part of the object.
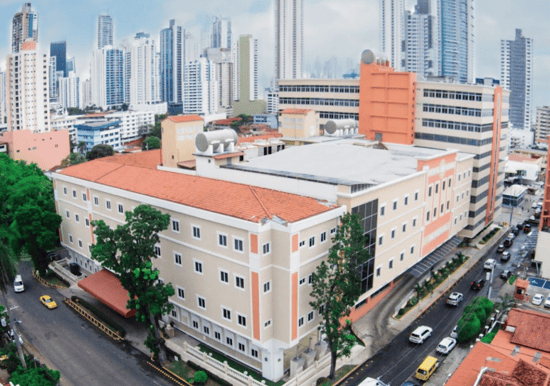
(93, 320)
(44, 282)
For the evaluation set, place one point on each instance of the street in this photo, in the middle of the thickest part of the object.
(65, 341)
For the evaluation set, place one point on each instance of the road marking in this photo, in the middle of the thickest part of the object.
(13, 308)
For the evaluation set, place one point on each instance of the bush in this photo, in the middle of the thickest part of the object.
(150, 143)
(478, 312)
(468, 328)
(100, 151)
(215, 378)
(100, 315)
(486, 304)
(200, 377)
(320, 381)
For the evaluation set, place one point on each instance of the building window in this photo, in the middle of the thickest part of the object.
(217, 335)
(427, 216)
(323, 237)
(79, 243)
(242, 347)
(430, 191)
(238, 245)
(266, 248)
(402, 256)
(198, 267)
(412, 249)
(174, 314)
(222, 240)
(382, 210)
(74, 193)
(448, 204)
(449, 182)
(201, 302)
(195, 325)
(302, 281)
(416, 196)
(239, 282)
(177, 259)
(310, 316)
(310, 279)
(380, 240)
(224, 277)
(241, 320)
(404, 228)
(96, 201)
(196, 233)
(181, 293)
(435, 212)
(229, 341)
(393, 233)
(226, 313)
(390, 264)
(378, 271)
(84, 197)
(301, 322)
(65, 190)
(76, 217)
(443, 186)
(87, 222)
(254, 353)
(312, 241)
(68, 214)
(108, 204)
(302, 243)
(71, 239)
(176, 226)
(120, 208)
(267, 324)
(267, 287)
(395, 205)
(333, 231)
(406, 200)
(157, 251)
(206, 330)
(436, 188)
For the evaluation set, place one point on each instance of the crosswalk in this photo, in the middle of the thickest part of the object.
(428, 262)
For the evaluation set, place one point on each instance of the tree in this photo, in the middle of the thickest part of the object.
(336, 286)
(35, 376)
(73, 159)
(200, 377)
(506, 303)
(156, 131)
(468, 327)
(100, 151)
(150, 143)
(128, 250)
(82, 147)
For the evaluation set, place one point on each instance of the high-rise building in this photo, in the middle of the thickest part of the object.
(126, 71)
(393, 29)
(3, 102)
(85, 97)
(516, 75)
(69, 93)
(24, 27)
(107, 77)
(52, 79)
(245, 92)
(200, 95)
(59, 51)
(289, 39)
(191, 48)
(32, 110)
(104, 31)
(172, 64)
(144, 71)
(542, 127)
(420, 42)
(221, 32)
(71, 65)
(456, 38)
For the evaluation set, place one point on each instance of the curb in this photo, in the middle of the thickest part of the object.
(167, 373)
(96, 322)
(44, 282)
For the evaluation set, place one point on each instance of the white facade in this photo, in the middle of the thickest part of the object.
(420, 44)
(27, 82)
(3, 102)
(520, 138)
(85, 97)
(144, 71)
(130, 123)
(272, 101)
(542, 128)
(66, 122)
(69, 93)
(24, 27)
(221, 32)
(191, 48)
(392, 31)
(289, 39)
(249, 68)
(200, 95)
(104, 31)
(224, 77)
(107, 77)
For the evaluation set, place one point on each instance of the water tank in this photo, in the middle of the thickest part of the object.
(368, 57)
(216, 138)
(340, 124)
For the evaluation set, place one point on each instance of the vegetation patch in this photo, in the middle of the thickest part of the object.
(512, 279)
(489, 236)
(106, 320)
(340, 373)
(473, 318)
(490, 336)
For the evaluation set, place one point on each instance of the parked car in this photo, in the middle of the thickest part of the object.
(454, 333)
(508, 243)
(454, 299)
(505, 274)
(505, 256)
(48, 302)
(489, 264)
(446, 345)
(515, 231)
(527, 228)
(18, 285)
(547, 302)
(511, 235)
(537, 299)
(500, 248)
(420, 334)
(520, 226)
(478, 285)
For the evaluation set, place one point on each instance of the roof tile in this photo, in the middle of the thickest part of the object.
(185, 118)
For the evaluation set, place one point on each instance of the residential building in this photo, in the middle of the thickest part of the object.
(126, 72)
(104, 31)
(59, 51)
(53, 89)
(70, 65)
(191, 48)
(144, 71)
(85, 93)
(393, 29)
(225, 75)
(457, 33)
(516, 75)
(66, 122)
(3, 102)
(299, 123)
(267, 119)
(178, 139)
(99, 132)
(200, 90)
(107, 77)
(245, 59)
(221, 32)
(69, 91)
(543, 240)
(520, 138)
(132, 123)
(289, 39)
(27, 81)
(24, 27)
(542, 127)
(420, 42)
(272, 96)
(172, 63)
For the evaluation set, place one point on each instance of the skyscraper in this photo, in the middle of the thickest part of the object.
(200, 96)
(59, 51)
(456, 19)
(104, 31)
(71, 65)
(107, 77)
(245, 59)
(221, 32)
(144, 71)
(24, 27)
(172, 63)
(393, 28)
(420, 42)
(289, 39)
(69, 93)
(516, 75)
(3, 102)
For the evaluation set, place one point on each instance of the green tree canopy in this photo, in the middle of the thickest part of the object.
(72, 159)
(150, 143)
(35, 376)
(128, 250)
(336, 286)
(468, 328)
(156, 131)
(100, 151)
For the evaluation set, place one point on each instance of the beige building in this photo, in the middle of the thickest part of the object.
(178, 138)
(298, 123)
(542, 127)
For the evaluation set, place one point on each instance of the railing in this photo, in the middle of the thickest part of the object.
(43, 281)
(92, 319)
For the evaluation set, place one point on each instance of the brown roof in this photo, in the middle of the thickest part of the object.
(529, 375)
(258, 137)
(532, 329)
(491, 378)
(139, 175)
(106, 287)
(185, 118)
(227, 121)
(296, 111)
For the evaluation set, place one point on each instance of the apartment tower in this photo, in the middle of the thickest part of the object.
(392, 33)
(289, 39)
(420, 42)
(221, 32)
(59, 51)
(245, 91)
(144, 76)
(104, 31)
(172, 63)
(24, 27)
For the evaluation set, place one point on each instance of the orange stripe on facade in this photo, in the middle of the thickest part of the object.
(253, 243)
(294, 243)
(495, 155)
(436, 224)
(91, 228)
(60, 235)
(431, 246)
(256, 305)
(294, 305)
(88, 194)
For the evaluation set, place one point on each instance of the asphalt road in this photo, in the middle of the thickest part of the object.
(398, 361)
(84, 355)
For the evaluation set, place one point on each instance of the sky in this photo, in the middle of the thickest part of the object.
(340, 28)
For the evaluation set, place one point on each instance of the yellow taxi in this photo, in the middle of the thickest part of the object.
(48, 302)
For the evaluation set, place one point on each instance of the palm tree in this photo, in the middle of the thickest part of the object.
(82, 147)
(506, 303)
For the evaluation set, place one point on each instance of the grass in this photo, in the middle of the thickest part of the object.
(512, 279)
(54, 280)
(237, 366)
(340, 373)
(490, 336)
(182, 370)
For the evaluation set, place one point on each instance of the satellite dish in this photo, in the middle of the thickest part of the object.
(368, 57)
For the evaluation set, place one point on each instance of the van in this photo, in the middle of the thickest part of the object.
(427, 368)
(18, 285)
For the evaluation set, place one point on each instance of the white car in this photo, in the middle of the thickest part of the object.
(454, 333)
(511, 236)
(537, 299)
(18, 285)
(489, 264)
(547, 302)
(419, 335)
(446, 345)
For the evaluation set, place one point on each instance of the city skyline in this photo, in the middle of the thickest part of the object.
(329, 30)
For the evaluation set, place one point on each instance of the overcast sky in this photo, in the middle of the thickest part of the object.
(341, 28)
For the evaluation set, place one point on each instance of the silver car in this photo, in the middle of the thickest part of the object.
(446, 346)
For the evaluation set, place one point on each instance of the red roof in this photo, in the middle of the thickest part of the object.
(137, 173)
(532, 329)
(185, 118)
(105, 287)
(296, 111)
(258, 137)
(227, 121)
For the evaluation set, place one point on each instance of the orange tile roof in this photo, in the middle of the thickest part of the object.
(532, 329)
(96, 115)
(296, 111)
(529, 375)
(146, 159)
(131, 173)
(184, 118)
(258, 137)
(227, 121)
(106, 287)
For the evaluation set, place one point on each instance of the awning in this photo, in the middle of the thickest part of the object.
(105, 287)
(429, 261)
